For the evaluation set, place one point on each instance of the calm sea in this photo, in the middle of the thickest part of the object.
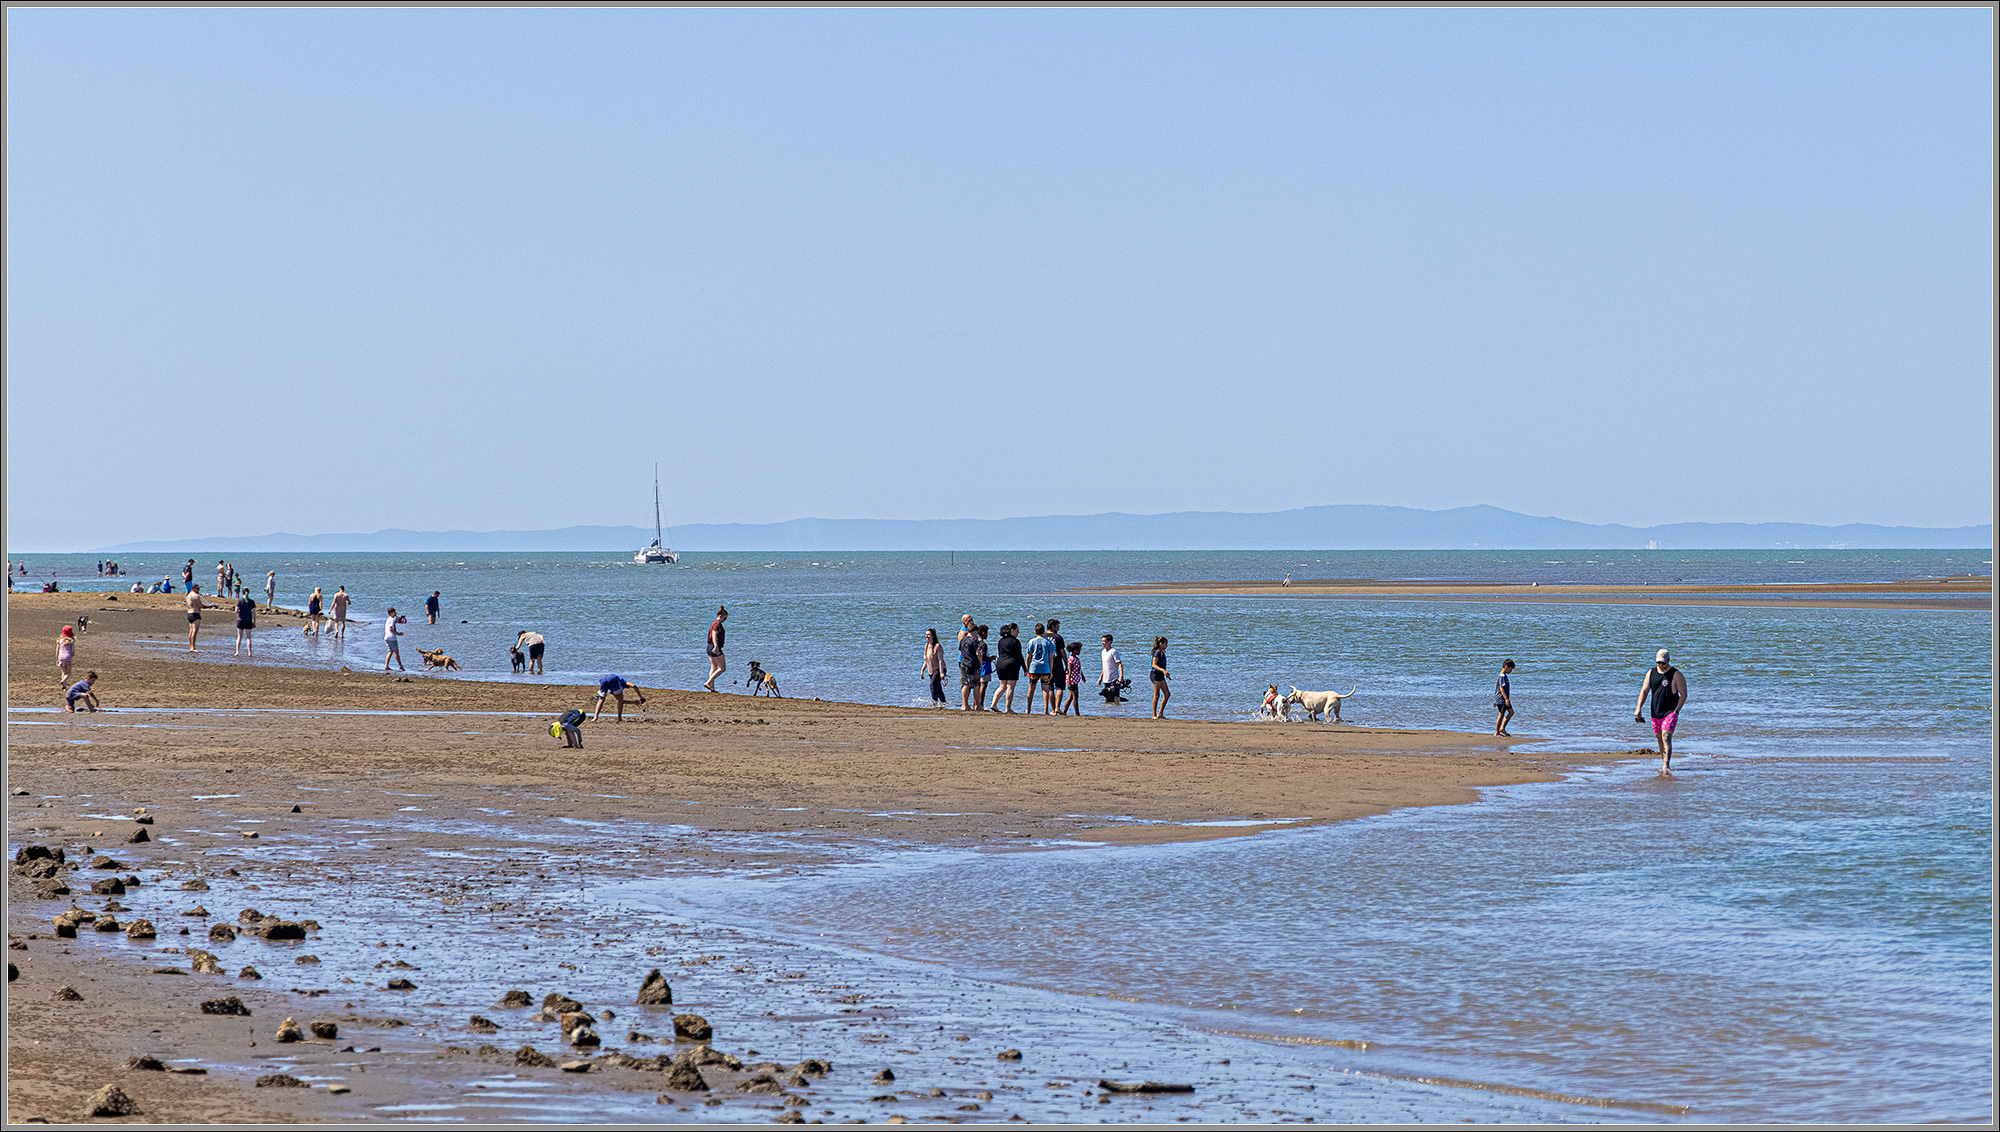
(1796, 926)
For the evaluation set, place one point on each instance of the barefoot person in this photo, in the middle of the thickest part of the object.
(532, 643)
(1007, 664)
(431, 606)
(1042, 663)
(65, 653)
(392, 641)
(314, 605)
(195, 606)
(246, 622)
(1111, 677)
(270, 587)
(81, 691)
(616, 686)
(716, 665)
(934, 665)
(968, 665)
(340, 602)
(1667, 691)
(1161, 692)
(1072, 679)
(1503, 698)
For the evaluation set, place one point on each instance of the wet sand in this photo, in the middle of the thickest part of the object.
(1965, 592)
(461, 827)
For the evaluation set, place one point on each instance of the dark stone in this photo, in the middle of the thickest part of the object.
(533, 1058)
(709, 1055)
(230, 1005)
(279, 1081)
(886, 1077)
(13, 972)
(108, 923)
(306, 960)
(132, 881)
(584, 1037)
(636, 1036)
(195, 885)
(250, 916)
(560, 1004)
(325, 1031)
(109, 886)
(1009, 1055)
(514, 1000)
(66, 993)
(141, 929)
(791, 1115)
(487, 1049)
(814, 1067)
(288, 1031)
(1143, 1087)
(144, 1061)
(28, 853)
(197, 910)
(37, 869)
(296, 810)
(281, 929)
(110, 1101)
(654, 991)
(482, 1025)
(576, 1067)
(248, 973)
(138, 836)
(606, 1015)
(693, 1027)
(144, 819)
(400, 984)
(50, 889)
(222, 933)
(105, 863)
(685, 1078)
(761, 1083)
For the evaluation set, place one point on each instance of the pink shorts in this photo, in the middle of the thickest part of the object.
(1664, 725)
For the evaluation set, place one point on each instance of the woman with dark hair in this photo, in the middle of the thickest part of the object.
(1007, 664)
(1161, 693)
(985, 667)
(934, 665)
(716, 633)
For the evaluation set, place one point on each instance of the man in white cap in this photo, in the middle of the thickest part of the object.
(1667, 690)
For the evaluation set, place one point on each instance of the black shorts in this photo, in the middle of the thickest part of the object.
(968, 676)
(242, 624)
(534, 652)
(193, 617)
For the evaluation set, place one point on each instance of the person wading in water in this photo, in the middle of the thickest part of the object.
(1668, 691)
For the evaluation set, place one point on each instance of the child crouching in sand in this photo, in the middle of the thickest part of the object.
(566, 727)
(81, 692)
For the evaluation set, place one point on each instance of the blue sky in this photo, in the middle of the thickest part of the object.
(350, 269)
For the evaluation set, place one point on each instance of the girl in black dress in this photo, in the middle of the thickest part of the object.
(1161, 693)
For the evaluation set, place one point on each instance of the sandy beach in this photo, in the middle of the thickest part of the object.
(1966, 592)
(218, 752)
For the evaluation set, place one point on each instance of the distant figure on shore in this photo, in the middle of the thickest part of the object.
(392, 641)
(100, 569)
(270, 587)
(221, 577)
(65, 652)
(934, 665)
(1503, 698)
(1161, 692)
(431, 606)
(1111, 677)
(83, 691)
(195, 606)
(1042, 663)
(1288, 579)
(1072, 680)
(968, 663)
(187, 575)
(614, 685)
(1058, 670)
(1666, 688)
(716, 664)
(985, 654)
(313, 607)
(532, 642)
(166, 585)
(246, 623)
(340, 601)
(1008, 662)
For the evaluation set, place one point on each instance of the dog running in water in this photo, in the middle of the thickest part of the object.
(1323, 706)
(435, 658)
(762, 682)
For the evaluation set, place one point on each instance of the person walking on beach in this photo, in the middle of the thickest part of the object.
(532, 642)
(934, 665)
(431, 606)
(968, 663)
(340, 602)
(1042, 662)
(1503, 698)
(716, 664)
(195, 606)
(1072, 680)
(1667, 690)
(1161, 693)
(65, 652)
(246, 621)
(271, 587)
(1007, 664)
(392, 641)
(615, 686)
(1112, 674)
(1058, 669)
(313, 606)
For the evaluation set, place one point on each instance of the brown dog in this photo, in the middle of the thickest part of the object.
(435, 658)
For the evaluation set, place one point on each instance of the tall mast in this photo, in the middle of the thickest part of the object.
(656, 505)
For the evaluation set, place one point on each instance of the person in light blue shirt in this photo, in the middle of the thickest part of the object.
(1041, 663)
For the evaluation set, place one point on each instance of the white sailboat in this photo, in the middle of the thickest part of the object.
(657, 551)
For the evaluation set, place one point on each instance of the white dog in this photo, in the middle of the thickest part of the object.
(1323, 706)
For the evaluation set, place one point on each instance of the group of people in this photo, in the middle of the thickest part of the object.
(109, 570)
(994, 666)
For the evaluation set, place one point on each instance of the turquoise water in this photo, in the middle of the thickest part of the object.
(1796, 926)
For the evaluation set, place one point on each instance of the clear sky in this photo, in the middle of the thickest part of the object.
(341, 270)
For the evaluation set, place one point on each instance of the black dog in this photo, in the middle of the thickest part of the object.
(520, 660)
(1111, 691)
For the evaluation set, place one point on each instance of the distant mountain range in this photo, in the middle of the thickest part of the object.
(1340, 527)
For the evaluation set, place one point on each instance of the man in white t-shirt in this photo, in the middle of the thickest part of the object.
(390, 640)
(1113, 672)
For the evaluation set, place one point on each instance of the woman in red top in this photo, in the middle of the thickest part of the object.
(716, 666)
